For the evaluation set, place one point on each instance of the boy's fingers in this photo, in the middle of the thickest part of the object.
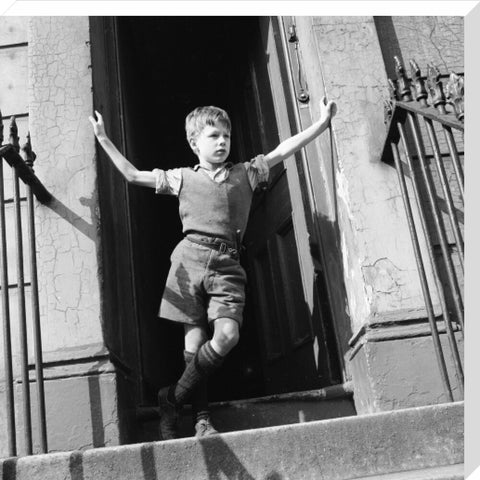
(333, 108)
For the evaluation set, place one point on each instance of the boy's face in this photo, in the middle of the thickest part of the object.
(212, 145)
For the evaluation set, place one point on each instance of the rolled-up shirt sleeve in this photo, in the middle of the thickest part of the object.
(258, 171)
(168, 182)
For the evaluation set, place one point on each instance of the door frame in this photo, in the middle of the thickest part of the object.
(288, 121)
(106, 68)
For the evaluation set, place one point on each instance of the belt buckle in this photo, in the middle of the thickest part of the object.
(223, 248)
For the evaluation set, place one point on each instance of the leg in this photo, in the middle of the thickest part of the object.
(209, 357)
(225, 337)
(205, 361)
(226, 334)
(195, 337)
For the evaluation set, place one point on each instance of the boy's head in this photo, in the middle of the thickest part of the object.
(201, 117)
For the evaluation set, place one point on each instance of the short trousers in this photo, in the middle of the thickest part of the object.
(203, 285)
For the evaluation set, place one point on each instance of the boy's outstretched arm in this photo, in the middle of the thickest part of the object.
(291, 145)
(131, 173)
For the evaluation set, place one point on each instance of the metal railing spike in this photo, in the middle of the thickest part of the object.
(403, 83)
(435, 87)
(421, 93)
(455, 94)
(13, 139)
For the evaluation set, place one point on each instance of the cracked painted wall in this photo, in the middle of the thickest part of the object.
(431, 40)
(48, 83)
(67, 230)
(351, 60)
(379, 266)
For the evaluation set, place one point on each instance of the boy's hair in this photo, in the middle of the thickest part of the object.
(197, 120)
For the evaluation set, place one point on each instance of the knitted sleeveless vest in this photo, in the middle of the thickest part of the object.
(215, 209)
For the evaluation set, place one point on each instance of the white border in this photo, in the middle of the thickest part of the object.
(343, 8)
(235, 7)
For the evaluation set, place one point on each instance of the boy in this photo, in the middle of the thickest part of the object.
(205, 285)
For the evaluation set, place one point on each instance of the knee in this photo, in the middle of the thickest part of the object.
(227, 334)
(194, 339)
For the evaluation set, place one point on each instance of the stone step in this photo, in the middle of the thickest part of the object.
(269, 411)
(449, 472)
(338, 449)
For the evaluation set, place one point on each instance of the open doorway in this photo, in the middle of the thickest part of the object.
(167, 66)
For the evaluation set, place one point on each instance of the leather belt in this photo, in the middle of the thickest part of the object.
(222, 247)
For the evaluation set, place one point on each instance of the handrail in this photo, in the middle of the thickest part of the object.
(432, 113)
(405, 149)
(10, 152)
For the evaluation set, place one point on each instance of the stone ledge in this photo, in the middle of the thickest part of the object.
(340, 449)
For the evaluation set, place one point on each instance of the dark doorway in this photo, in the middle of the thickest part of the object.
(167, 66)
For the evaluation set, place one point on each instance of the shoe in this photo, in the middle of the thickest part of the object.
(204, 428)
(168, 425)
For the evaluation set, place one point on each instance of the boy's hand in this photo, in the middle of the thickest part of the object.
(327, 109)
(98, 125)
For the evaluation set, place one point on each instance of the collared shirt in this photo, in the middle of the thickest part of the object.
(169, 181)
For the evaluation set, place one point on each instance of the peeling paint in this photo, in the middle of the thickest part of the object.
(67, 232)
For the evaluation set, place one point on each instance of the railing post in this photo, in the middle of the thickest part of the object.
(436, 87)
(29, 157)
(7, 341)
(421, 271)
(431, 254)
(1, 129)
(410, 133)
(440, 230)
(22, 317)
(21, 169)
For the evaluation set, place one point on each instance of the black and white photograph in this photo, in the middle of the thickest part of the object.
(232, 246)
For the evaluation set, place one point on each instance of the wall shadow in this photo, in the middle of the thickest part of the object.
(9, 468)
(87, 229)
(75, 465)
(148, 462)
(96, 410)
(389, 44)
(221, 461)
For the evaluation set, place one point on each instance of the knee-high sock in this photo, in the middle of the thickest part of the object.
(206, 361)
(199, 396)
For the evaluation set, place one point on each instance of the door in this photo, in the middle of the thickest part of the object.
(294, 352)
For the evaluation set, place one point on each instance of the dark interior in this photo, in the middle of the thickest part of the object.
(169, 66)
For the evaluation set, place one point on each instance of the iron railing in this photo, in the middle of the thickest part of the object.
(21, 162)
(425, 144)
